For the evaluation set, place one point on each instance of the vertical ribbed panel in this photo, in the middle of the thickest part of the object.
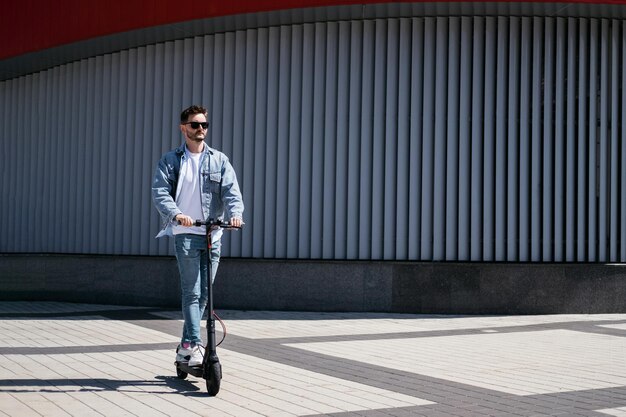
(559, 138)
(478, 89)
(525, 136)
(614, 150)
(501, 139)
(415, 151)
(621, 166)
(465, 138)
(605, 112)
(512, 141)
(451, 139)
(493, 57)
(549, 139)
(428, 110)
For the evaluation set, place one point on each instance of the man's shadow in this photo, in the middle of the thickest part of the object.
(177, 385)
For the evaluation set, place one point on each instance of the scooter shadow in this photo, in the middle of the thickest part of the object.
(182, 386)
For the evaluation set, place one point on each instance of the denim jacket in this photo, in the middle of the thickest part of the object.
(218, 185)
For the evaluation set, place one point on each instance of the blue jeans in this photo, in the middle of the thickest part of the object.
(192, 264)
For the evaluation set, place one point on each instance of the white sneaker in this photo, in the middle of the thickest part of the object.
(183, 354)
(197, 355)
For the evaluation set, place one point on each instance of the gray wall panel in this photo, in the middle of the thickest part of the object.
(428, 154)
(549, 118)
(559, 138)
(513, 138)
(261, 147)
(491, 83)
(339, 169)
(622, 165)
(584, 64)
(415, 144)
(444, 138)
(438, 182)
(452, 141)
(537, 140)
(592, 171)
(603, 203)
(354, 140)
(524, 167)
(401, 218)
(282, 169)
(465, 128)
(271, 197)
(614, 222)
(498, 164)
(376, 226)
(367, 116)
(570, 142)
(390, 173)
(481, 60)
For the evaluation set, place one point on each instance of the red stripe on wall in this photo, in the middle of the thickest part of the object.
(32, 25)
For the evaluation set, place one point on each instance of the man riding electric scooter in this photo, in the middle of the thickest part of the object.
(193, 182)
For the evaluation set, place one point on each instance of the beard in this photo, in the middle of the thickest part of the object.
(196, 137)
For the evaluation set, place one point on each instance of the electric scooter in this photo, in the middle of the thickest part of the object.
(211, 369)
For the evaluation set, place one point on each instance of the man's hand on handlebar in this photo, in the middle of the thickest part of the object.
(236, 221)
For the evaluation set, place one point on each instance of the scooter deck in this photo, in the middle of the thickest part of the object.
(196, 371)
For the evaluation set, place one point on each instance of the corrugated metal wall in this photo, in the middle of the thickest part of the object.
(445, 138)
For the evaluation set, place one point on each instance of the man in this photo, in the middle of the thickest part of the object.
(193, 182)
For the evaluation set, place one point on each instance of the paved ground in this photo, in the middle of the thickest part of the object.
(59, 359)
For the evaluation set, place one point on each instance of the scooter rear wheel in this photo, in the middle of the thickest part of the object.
(180, 373)
(214, 378)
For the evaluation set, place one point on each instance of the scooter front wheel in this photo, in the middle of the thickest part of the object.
(214, 378)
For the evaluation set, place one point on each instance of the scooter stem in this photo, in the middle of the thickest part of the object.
(210, 354)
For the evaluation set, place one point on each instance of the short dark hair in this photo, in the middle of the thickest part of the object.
(190, 111)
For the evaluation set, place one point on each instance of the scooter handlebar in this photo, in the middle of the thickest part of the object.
(216, 223)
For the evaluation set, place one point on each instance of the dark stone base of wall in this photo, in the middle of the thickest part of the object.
(394, 287)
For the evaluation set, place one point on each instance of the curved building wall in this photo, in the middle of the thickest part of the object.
(424, 138)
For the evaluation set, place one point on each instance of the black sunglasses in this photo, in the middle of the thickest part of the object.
(195, 125)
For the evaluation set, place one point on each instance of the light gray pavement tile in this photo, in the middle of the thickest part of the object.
(617, 412)
(619, 326)
(291, 325)
(129, 403)
(41, 405)
(11, 405)
(71, 405)
(73, 331)
(516, 363)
